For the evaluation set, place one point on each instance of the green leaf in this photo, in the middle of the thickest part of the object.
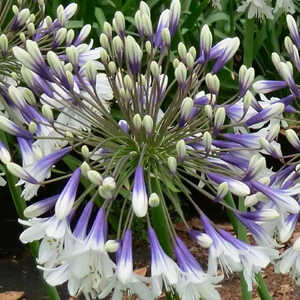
(100, 17)
(221, 16)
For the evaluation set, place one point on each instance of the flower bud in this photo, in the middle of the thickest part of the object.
(137, 121)
(205, 40)
(109, 182)
(148, 47)
(175, 63)
(3, 45)
(148, 124)
(104, 57)
(208, 111)
(172, 164)
(222, 190)
(47, 112)
(185, 110)
(112, 246)
(154, 200)
(90, 71)
(220, 116)
(246, 78)
(181, 150)
(124, 126)
(94, 177)
(166, 36)
(212, 83)
(85, 151)
(119, 23)
(128, 84)
(104, 42)
(70, 79)
(293, 138)
(155, 70)
(112, 67)
(72, 54)
(193, 52)
(32, 127)
(107, 29)
(189, 60)
(207, 141)
(203, 239)
(70, 37)
(180, 74)
(85, 168)
(182, 51)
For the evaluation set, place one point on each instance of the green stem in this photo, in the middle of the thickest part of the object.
(262, 288)
(159, 221)
(20, 205)
(249, 42)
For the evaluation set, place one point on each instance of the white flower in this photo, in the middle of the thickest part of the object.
(287, 6)
(289, 262)
(256, 8)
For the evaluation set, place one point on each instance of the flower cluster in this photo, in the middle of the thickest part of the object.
(22, 22)
(263, 8)
(142, 129)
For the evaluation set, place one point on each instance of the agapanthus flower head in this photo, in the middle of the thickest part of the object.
(167, 136)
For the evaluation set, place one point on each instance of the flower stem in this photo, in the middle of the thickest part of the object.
(249, 42)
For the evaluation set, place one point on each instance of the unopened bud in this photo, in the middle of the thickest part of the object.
(104, 42)
(172, 164)
(148, 124)
(128, 83)
(186, 107)
(182, 51)
(189, 60)
(154, 67)
(207, 141)
(212, 83)
(193, 52)
(293, 138)
(208, 111)
(154, 200)
(222, 190)
(166, 36)
(181, 150)
(91, 71)
(70, 37)
(85, 168)
(175, 63)
(112, 246)
(94, 177)
(104, 56)
(181, 73)
(119, 23)
(112, 67)
(205, 40)
(72, 54)
(32, 127)
(137, 121)
(148, 47)
(107, 29)
(85, 151)
(47, 112)
(219, 117)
